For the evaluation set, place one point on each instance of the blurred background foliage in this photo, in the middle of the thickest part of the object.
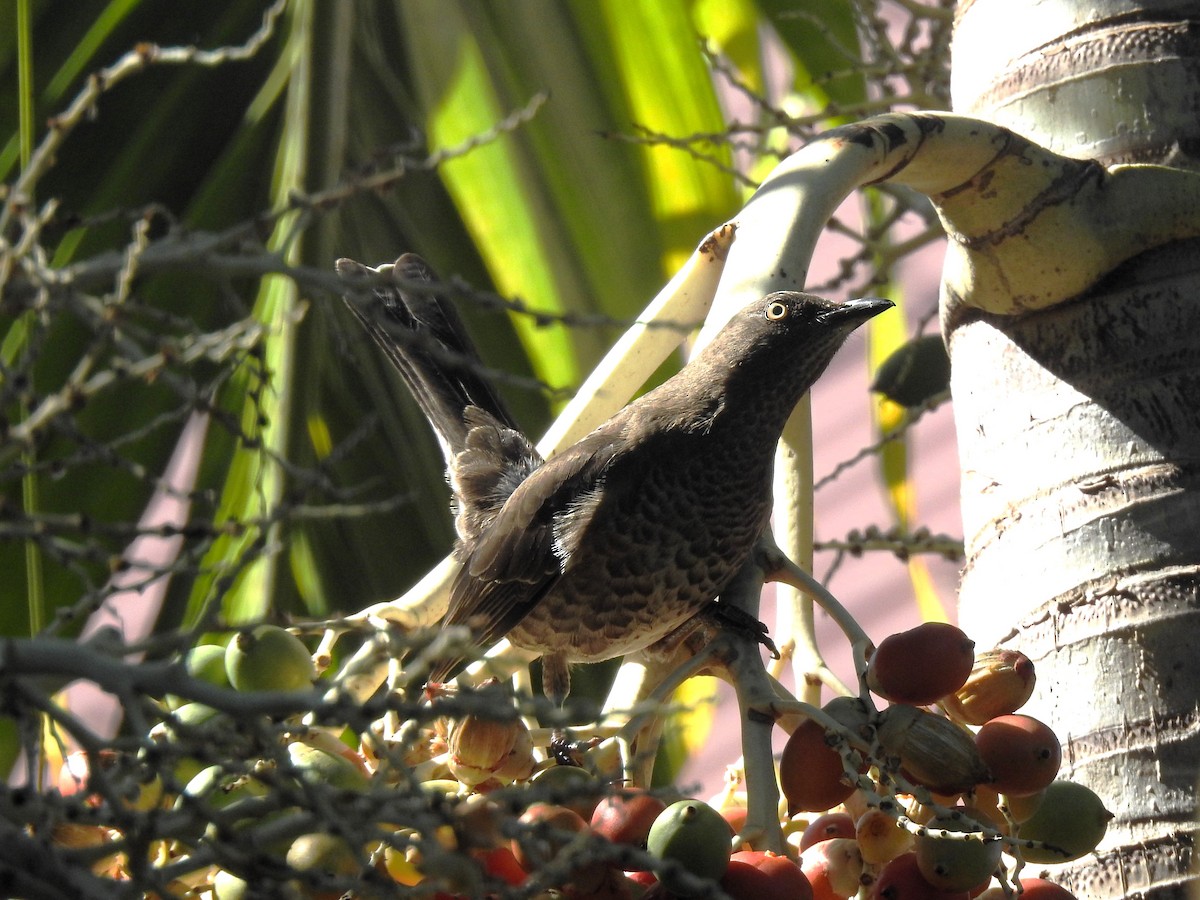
(561, 157)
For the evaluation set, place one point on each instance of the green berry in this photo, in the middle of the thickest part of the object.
(694, 835)
(321, 766)
(1071, 822)
(206, 662)
(955, 865)
(268, 659)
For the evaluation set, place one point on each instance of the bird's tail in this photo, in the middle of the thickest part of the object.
(419, 330)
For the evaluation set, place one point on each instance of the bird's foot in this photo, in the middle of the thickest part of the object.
(567, 751)
(730, 616)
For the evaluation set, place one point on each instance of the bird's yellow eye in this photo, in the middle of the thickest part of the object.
(777, 310)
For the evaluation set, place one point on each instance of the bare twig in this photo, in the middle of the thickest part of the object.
(131, 63)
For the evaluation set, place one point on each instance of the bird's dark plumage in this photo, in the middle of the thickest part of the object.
(621, 538)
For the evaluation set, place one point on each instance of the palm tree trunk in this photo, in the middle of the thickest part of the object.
(1079, 434)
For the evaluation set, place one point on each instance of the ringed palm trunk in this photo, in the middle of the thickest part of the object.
(1079, 434)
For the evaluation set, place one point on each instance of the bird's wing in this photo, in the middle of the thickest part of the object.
(518, 557)
(526, 546)
(495, 460)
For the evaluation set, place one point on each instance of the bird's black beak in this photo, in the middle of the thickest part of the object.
(853, 313)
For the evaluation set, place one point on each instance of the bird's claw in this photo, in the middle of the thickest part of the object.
(568, 752)
(735, 617)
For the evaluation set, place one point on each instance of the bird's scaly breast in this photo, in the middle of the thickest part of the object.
(652, 559)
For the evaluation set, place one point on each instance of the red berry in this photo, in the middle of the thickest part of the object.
(742, 881)
(626, 818)
(811, 772)
(901, 879)
(1022, 754)
(826, 827)
(921, 665)
(1031, 889)
(499, 862)
(534, 850)
(762, 875)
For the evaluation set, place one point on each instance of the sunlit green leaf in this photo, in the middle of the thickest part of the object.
(256, 483)
(823, 38)
(568, 217)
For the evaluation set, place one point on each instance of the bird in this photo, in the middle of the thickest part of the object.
(620, 539)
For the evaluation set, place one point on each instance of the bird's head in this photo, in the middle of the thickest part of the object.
(793, 330)
(807, 316)
(772, 351)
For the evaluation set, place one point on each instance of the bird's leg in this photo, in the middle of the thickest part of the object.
(556, 685)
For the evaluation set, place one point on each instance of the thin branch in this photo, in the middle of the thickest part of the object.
(897, 542)
(98, 83)
(914, 415)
